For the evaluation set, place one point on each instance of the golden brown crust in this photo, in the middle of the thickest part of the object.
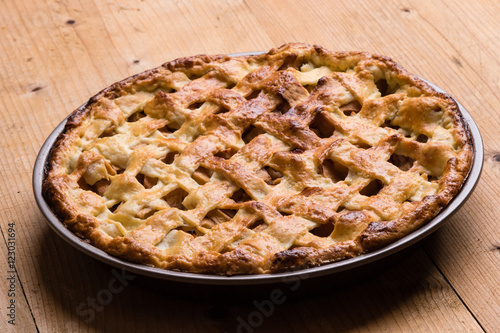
(254, 164)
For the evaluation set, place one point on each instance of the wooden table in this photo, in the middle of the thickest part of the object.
(55, 54)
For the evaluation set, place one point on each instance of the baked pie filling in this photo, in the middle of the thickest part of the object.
(256, 164)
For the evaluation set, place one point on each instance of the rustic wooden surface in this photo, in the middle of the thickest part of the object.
(55, 54)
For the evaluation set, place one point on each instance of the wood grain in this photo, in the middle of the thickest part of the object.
(55, 55)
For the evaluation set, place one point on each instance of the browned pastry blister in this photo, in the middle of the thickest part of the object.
(256, 164)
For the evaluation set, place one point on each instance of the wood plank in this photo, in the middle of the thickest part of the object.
(54, 56)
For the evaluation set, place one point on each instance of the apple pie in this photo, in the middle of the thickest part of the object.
(258, 163)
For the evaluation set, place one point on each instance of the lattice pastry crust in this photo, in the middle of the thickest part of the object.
(257, 164)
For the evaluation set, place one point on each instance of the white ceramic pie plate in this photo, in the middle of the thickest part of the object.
(336, 267)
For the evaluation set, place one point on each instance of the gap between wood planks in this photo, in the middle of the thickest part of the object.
(452, 288)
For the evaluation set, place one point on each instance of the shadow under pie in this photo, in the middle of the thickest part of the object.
(297, 287)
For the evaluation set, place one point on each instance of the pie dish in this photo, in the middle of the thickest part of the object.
(258, 164)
